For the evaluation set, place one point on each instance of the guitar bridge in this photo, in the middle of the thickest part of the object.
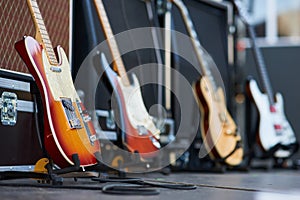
(70, 112)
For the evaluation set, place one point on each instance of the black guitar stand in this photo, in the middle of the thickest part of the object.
(45, 175)
(191, 162)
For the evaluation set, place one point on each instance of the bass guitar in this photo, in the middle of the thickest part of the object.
(68, 130)
(139, 133)
(275, 134)
(218, 130)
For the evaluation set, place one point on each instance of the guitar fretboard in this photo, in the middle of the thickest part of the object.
(42, 35)
(204, 66)
(118, 63)
(260, 63)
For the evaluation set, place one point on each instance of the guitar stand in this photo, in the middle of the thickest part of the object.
(40, 176)
(267, 160)
(121, 168)
(46, 175)
(191, 162)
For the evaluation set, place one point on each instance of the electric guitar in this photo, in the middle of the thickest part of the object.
(139, 133)
(68, 130)
(275, 133)
(218, 130)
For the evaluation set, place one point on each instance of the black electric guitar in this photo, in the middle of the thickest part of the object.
(139, 133)
(218, 130)
(275, 133)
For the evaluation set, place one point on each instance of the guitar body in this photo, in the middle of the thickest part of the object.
(67, 127)
(139, 133)
(273, 127)
(218, 130)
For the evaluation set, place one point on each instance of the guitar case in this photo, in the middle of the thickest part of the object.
(21, 121)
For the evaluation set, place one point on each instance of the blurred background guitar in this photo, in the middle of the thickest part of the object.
(218, 130)
(275, 134)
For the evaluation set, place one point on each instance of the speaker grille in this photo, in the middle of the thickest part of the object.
(15, 22)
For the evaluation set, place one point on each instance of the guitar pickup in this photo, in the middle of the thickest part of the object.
(70, 112)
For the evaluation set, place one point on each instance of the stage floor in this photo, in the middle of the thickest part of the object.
(257, 185)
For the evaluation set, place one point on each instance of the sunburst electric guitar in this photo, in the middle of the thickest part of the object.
(275, 134)
(218, 130)
(139, 133)
(68, 130)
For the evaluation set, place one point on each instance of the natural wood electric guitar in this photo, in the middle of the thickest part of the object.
(68, 130)
(274, 131)
(139, 133)
(218, 130)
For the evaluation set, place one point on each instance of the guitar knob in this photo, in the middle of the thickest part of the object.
(229, 132)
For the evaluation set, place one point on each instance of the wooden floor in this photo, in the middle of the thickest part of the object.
(257, 185)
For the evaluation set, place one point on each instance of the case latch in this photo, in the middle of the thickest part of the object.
(8, 106)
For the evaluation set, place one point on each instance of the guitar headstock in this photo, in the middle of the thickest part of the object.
(244, 16)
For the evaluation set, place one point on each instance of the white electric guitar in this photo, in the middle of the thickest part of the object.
(275, 132)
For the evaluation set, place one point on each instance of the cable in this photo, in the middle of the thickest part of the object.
(148, 182)
(128, 189)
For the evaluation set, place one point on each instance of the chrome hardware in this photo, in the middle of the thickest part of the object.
(8, 106)
(86, 118)
(155, 142)
(110, 120)
(55, 69)
(70, 112)
(142, 130)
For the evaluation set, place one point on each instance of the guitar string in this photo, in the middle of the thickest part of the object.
(70, 115)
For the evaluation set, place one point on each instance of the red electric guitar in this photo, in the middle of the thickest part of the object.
(68, 130)
(139, 133)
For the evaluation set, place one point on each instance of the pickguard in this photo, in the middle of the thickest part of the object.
(137, 112)
(59, 82)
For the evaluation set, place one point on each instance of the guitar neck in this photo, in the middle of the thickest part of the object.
(261, 67)
(260, 63)
(42, 35)
(195, 41)
(117, 60)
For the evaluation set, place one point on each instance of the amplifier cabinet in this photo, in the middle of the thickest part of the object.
(15, 22)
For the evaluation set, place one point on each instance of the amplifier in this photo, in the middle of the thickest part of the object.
(15, 22)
